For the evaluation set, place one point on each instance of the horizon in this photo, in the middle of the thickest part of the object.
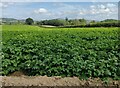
(59, 18)
(53, 10)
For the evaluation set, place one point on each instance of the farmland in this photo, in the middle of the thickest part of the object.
(81, 52)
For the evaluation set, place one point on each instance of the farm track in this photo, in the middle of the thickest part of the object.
(54, 81)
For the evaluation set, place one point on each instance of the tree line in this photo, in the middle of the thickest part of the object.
(71, 22)
(75, 23)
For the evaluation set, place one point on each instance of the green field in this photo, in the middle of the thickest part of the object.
(82, 52)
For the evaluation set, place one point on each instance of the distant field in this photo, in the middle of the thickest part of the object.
(82, 52)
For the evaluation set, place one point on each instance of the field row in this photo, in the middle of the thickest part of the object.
(82, 52)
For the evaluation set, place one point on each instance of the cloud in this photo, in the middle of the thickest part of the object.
(95, 9)
(106, 10)
(41, 10)
(83, 12)
(98, 9)
(61, 10)
(6, 4)
(101, 6)
(103, 9)
(111, 5)
(92, 6)
(68, 10)
(3, 5)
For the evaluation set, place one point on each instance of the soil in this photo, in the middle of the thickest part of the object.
(19, 79)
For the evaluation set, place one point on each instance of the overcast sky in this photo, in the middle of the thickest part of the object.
(53, 10)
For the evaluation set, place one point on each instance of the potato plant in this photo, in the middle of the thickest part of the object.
(81, 52)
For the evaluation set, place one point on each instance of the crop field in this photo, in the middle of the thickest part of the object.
(81, 52)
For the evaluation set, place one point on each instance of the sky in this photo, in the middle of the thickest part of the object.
(53, 10)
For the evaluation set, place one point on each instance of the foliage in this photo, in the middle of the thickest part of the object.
(82, 52)
(109, 20)
(62, 22)
(79, 23)
(98, 24)
(29, 21)
(54, 22)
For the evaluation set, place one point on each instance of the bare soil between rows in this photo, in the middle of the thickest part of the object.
(20, 80)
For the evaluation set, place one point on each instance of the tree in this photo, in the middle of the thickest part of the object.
(29, 21)
(66, 19)
(53, 22)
